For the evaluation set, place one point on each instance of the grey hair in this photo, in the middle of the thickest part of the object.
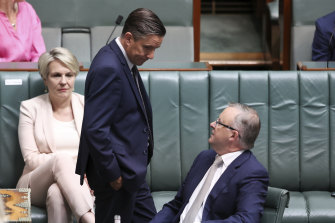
(247, 123)
(61, 54)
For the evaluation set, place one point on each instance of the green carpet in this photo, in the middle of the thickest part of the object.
(229, 33)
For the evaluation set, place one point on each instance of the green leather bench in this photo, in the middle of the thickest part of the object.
(295, 143)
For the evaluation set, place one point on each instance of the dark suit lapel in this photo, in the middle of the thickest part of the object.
(147, 116)
(199, 172)
(224, 180)
(145, 110)
(128, 73)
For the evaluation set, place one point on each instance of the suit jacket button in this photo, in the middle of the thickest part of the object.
(145, 130)
(145, 152)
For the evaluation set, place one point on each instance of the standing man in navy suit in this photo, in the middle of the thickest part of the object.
(238, 188)
(116, 142)
(323, 47)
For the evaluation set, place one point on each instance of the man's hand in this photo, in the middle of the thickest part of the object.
(116, 184)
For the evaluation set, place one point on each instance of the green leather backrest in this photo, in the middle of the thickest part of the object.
(305, 12)
(297, 112)
(180, 124)
(88, 13)
(13, 89)
(295, 143)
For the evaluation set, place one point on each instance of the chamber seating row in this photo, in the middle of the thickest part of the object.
(83, 26)
(296, 142)
(85, 42)
(303, 27)
(293, 27)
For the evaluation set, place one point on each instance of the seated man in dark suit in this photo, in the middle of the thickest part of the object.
(226, 183)
(323, 48)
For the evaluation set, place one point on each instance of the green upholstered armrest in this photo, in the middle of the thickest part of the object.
(39, 215)
(276, 201)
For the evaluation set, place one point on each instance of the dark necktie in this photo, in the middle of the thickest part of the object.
(135, 76)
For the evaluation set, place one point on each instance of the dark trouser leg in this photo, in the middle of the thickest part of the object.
(145, 208)
(136, 208)
(114, 203)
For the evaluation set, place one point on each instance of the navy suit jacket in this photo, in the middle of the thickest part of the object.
(238, 196)
(115, 132)
(322, 49)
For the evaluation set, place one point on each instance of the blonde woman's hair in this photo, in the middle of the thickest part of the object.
(61, 54)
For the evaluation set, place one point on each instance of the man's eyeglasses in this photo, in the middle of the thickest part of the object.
(224, 125)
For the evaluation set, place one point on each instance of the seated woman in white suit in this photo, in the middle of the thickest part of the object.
(49, 132)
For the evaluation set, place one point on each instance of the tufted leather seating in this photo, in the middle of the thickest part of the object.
(295, 143)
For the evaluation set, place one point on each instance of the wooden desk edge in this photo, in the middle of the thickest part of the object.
(302, 67)
(208, 67)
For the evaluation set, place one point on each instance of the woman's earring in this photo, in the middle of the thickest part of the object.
(45, 90)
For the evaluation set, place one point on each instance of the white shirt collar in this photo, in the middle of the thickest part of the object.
(130, 64)
(230, 157)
